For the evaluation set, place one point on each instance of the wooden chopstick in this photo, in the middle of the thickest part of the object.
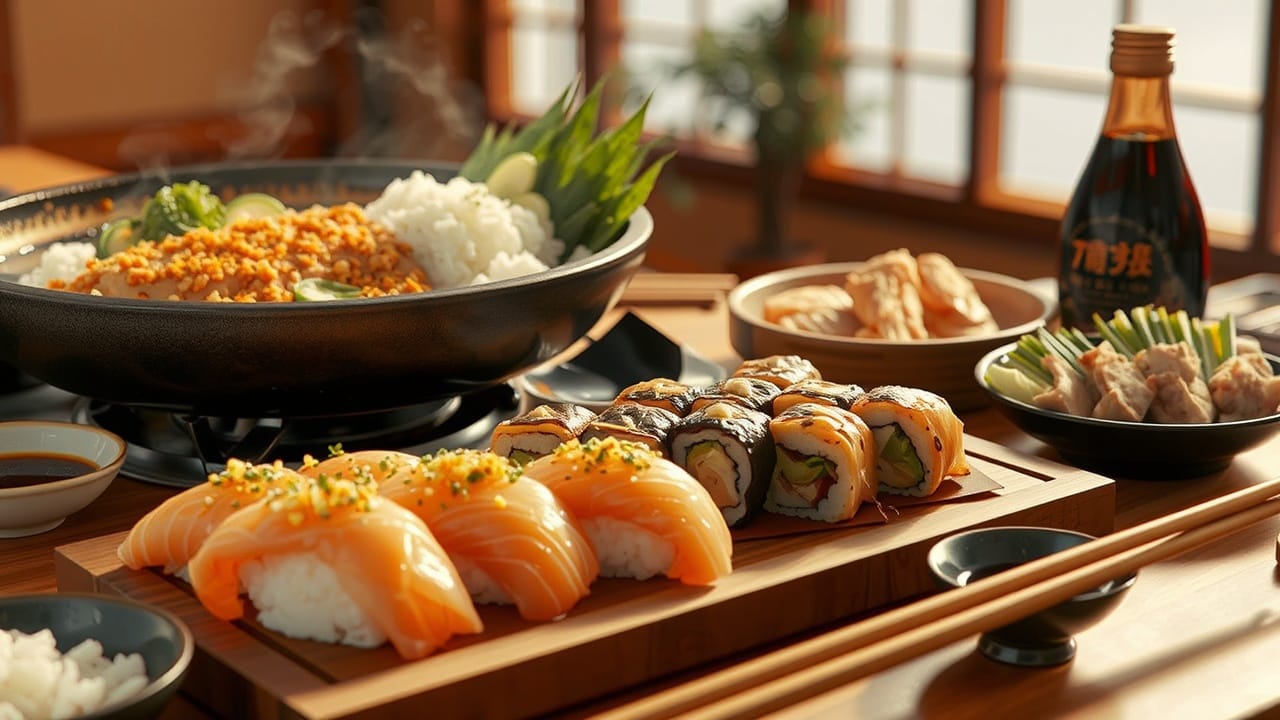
(843, 669)
(677, 288)
(1199, 523)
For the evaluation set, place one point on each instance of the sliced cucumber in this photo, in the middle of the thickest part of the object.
(253, 205)
(321, 290)
(534, 202)
(901, 457)
(803, 469)
(513, 176)
(116, 235)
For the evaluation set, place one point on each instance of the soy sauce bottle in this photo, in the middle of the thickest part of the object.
(1134, 232)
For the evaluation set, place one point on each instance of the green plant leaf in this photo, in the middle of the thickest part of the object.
(586, 178)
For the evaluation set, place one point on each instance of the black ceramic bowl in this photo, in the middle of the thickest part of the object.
(122, 626)
(1043, 638)
(631, 351)
(298, 359)
(1140, 450)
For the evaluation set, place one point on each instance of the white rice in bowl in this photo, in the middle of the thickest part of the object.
(61, 261)
(37, 681)
(461, 233)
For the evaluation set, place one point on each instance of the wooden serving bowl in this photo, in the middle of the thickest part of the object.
(943, 366)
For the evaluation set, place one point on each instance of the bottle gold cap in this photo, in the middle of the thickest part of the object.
(1142, 50)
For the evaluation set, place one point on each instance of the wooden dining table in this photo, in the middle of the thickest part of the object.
(1197, 636)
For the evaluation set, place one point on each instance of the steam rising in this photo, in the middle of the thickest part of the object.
(410, 106)
(442, 113)
(291, 45)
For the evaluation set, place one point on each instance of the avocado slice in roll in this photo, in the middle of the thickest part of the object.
(825, 463)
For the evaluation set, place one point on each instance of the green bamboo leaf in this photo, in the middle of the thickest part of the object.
(619, 208)
(589, 180)
(577, 223)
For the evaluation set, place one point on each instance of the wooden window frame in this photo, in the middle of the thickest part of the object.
(979, 203)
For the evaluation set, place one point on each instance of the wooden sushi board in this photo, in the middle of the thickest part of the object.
(625, 633)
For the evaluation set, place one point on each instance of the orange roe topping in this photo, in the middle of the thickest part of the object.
(605, 452)
(260, 260)
(455, 473)
(321, 498)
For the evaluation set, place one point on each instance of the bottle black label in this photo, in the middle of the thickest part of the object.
(1133, 235)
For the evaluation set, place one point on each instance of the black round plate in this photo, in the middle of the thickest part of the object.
(1147, 451)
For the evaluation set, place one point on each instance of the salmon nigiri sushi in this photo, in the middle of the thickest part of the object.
(644, 514)
(510, 538)
(171, 533)
(361, 465)
(330, 560)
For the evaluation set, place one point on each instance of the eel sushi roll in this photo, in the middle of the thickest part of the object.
(665, 393)
(644, 424)
(752, 393)
(822, 392)
(510, 538)
(539, 431)
(826, 463)
(919, 440)
(729, 450)
(781, 370)
(644, 514)
(330, 560)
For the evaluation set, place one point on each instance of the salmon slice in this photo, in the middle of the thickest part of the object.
(383, 556)
(511, 539)
(618, 489)
(362, 465)
(171, 533)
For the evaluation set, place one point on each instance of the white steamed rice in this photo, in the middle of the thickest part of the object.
(461, 233)
(61, 261)
(37, 681)
(627, 550)
(300, 596)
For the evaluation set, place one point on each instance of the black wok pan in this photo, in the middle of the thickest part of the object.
(278, 359)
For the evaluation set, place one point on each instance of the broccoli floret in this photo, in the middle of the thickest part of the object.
(179, 208)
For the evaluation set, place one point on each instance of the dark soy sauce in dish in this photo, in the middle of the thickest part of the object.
(34, 468)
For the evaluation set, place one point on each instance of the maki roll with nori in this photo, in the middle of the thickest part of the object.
(919, 440)
(665, 393)
(638, 423)
(728, 449)
(781, 370)
(826, 463)
(539, 431)
(822, 392)
(752, 393)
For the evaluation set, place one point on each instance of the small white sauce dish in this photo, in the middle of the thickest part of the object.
(35, 508)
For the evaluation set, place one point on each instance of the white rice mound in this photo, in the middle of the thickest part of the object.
(37, 681)
(463, 234)
(299, 596)
(480, 585)
(626, 550)
(61, 261)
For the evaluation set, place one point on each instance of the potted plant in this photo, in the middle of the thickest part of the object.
(778, 71)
